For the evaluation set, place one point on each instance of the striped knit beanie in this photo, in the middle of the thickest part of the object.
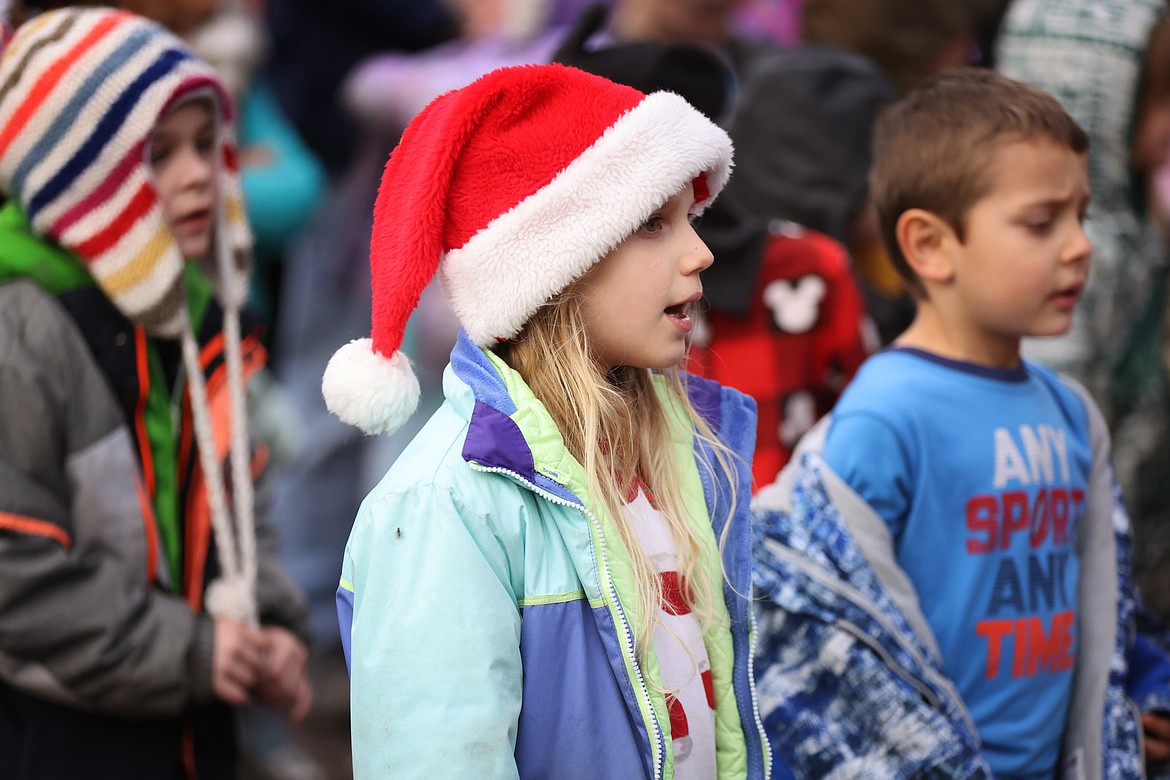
(81, 92)
(510, 189)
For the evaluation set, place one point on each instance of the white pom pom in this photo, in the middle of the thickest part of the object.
(376, 393)
(230, 597)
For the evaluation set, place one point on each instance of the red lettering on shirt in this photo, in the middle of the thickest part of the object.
(982, 517)
(1015, 516)
(1033, 649)
(994, 520)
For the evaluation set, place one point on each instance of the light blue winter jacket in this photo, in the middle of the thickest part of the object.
(486, 611)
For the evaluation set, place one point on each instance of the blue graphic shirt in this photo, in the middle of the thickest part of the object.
(980, 474)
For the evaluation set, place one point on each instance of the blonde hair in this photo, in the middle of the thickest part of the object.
(619, 428)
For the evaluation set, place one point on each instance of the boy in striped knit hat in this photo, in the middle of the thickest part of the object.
(139, 599)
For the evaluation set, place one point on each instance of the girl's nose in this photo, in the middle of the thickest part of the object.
(698, 257)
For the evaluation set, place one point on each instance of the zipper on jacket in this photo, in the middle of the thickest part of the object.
(765, 754)
(858, 598)
(855, 631)
(751, 670)
(658, 741)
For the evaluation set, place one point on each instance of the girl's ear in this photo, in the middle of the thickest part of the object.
(926, 242)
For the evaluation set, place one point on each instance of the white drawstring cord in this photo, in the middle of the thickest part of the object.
(231, 595)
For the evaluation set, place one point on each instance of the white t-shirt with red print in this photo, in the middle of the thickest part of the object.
(678, 644)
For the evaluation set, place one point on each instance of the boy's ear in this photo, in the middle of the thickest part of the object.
(925, 240)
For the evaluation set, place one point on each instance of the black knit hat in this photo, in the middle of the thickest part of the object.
(698, 74)
(802, 127)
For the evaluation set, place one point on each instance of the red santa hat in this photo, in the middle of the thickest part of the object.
(511, 188)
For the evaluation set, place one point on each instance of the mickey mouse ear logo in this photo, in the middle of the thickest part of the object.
(795, 306)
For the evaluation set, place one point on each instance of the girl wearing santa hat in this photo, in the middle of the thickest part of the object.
(553, 579)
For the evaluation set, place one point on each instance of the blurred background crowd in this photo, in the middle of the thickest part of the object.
(801, 290)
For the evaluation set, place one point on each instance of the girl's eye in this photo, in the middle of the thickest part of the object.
(206, 145)
(651, 225)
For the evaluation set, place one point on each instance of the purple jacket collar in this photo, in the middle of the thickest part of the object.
(495, 441)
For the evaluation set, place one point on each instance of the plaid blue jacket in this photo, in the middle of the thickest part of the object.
(849, 679)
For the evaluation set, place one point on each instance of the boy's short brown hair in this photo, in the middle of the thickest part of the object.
(932, 147)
